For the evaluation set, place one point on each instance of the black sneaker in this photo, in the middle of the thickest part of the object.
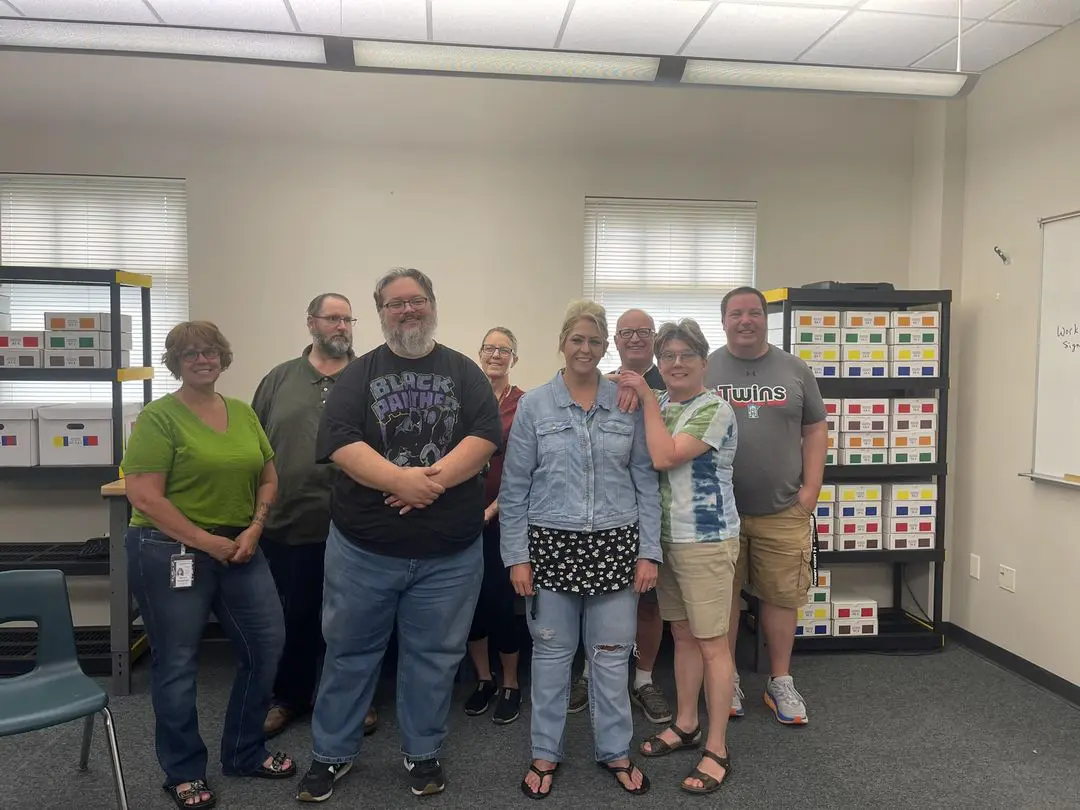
(318, 783)
(480, 700)
(508, 707)
(426, 777)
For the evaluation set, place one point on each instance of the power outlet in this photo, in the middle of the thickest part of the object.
(1007, 578)
(974, 566)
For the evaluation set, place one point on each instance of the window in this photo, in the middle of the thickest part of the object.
(672, 258)
(99, 223)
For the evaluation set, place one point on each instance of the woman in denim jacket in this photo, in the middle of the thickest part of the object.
(580, 518)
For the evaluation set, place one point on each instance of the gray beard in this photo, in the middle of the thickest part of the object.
(328, 348)
(411, 343)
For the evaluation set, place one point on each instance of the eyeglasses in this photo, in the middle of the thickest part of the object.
(487, 350)
(336, 319)
(191, 355)
(644, 333)
(398, 306)
(671, 357)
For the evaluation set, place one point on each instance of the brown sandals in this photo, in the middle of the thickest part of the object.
(659, 747)
(708, 783)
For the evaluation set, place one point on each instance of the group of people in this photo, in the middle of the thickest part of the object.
(416, 489)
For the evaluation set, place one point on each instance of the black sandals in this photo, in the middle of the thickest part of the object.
(538, 794)
(615, 770)
(659, 747)
(195, 788)
(708, 783)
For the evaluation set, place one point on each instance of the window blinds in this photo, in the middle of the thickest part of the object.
(99, 223)
(672, 258)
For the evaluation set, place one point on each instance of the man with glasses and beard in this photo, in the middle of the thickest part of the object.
(289, 402)
(411, 424)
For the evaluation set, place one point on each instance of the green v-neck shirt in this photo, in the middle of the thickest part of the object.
(211, 477)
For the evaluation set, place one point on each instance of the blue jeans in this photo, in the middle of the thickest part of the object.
(610, 621)
(246, 604)
(432, 601)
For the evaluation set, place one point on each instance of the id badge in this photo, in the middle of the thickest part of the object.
(182, 570)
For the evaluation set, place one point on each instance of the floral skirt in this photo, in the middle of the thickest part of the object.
(585, 563)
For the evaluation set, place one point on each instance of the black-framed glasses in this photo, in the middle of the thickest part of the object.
(191, 355)
(671, 357)
(487, 350)
(397, 305)
(644, 333)
(336, 319)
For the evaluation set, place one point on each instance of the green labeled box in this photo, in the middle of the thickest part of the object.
(71, 340)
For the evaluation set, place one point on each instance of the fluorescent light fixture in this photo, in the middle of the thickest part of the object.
(151, 39)
(820, 77)
(503, 61)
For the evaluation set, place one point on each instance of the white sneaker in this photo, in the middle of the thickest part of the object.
(737, 699)
(785, 701)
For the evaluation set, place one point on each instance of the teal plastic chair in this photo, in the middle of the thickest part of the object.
(57, 690)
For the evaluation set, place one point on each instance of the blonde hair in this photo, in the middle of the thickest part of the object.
(583, 311)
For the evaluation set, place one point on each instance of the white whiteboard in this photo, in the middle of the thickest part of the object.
(1057, 423)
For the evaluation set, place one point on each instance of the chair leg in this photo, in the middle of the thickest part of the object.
(114, 755)
(87, 736)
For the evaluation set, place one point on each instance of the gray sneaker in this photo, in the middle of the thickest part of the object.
(785, 701)
(737, 699)
(579, 695)
(652, 702)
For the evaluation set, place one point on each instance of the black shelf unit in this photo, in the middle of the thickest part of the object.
(897, 629)
(94, 644)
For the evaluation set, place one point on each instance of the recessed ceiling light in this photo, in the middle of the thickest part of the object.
(503, 61)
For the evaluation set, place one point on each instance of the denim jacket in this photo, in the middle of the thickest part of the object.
(560, 474)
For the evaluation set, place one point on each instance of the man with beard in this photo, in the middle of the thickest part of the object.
(289, 402)
(411, 424)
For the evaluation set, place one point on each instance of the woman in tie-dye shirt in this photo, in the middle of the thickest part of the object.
(691, 434)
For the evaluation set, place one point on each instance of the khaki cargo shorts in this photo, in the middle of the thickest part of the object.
(774, 556)
(695, 585)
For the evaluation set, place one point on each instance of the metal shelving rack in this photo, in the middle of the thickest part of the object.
(898, 629)
(17, 645)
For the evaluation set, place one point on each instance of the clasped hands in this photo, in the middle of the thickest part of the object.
(414, 489)
(238, 551)
(632, 387)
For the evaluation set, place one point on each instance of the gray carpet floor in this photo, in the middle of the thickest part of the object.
(947, 730)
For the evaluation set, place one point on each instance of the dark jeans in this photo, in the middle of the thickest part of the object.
(245, 602)
(495, 618)
(298, 574)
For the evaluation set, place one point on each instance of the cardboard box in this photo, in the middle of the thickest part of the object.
(858, 525)
(832, 406)
(814, 612)
(914, 337)
(84, 322)
(825, 510)
(853, 607)
(865, 456)
(815, 317)
(85, 340)
(865, 407)
(824, 578)
(858, 492)
(80, 434)
(817, 629)
(906, 542)
(858, 319)
(857, 542)
(84, 358)
(818, 595)
(21, 358)
(18, 435)
(864, 337)
(864, 440)
(864, 370)
(913, 405)
(832, 439)
(913, 438)
(910, 509)
(912, 491)
(911, 525)
(825, 542)
(919, 421)
(864, 424)
(817, 353)
(827, 493)
(915, 319)
(814, 334)
(914, 455)
(824, 525)
(914, 368)
(859, 509)
(855, 627)
(865, 354)
(22, 340)
(824, 370)
(909, 354)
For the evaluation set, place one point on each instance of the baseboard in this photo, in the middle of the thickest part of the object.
(1014, 663)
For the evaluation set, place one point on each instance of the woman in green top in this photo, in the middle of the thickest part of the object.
(200, 478)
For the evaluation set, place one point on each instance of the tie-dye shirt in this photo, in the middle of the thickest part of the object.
(697, 497)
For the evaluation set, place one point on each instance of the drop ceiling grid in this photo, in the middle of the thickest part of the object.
(113, 11)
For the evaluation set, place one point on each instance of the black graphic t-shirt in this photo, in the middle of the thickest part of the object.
(412, 412)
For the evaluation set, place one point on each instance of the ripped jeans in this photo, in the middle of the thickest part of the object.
(609, 624)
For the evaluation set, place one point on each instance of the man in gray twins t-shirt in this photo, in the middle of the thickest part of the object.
(779, 465)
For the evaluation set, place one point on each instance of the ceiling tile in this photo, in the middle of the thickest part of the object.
(985, 45)
(253, 15)
(631, 26)
(973, 9)
(817, 3)
(370, 19)
(122, 11)
(762, 32)
(533, 24)
(7, 11)
(1048, 12)
(881, 40)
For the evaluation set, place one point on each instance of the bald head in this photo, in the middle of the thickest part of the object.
(634, 333)
(635, 319)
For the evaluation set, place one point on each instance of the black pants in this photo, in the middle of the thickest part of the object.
(298, 574)
(494, 618)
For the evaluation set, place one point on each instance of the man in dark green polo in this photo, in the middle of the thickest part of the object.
(289, 402)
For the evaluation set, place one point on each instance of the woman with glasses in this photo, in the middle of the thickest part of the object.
(580, 511)
(692, 437)
(200, 478)
(495, 620)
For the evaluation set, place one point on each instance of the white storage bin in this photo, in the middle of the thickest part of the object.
(18, 435)
(80, 434)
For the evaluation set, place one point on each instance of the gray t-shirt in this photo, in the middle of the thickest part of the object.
(773, 397)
